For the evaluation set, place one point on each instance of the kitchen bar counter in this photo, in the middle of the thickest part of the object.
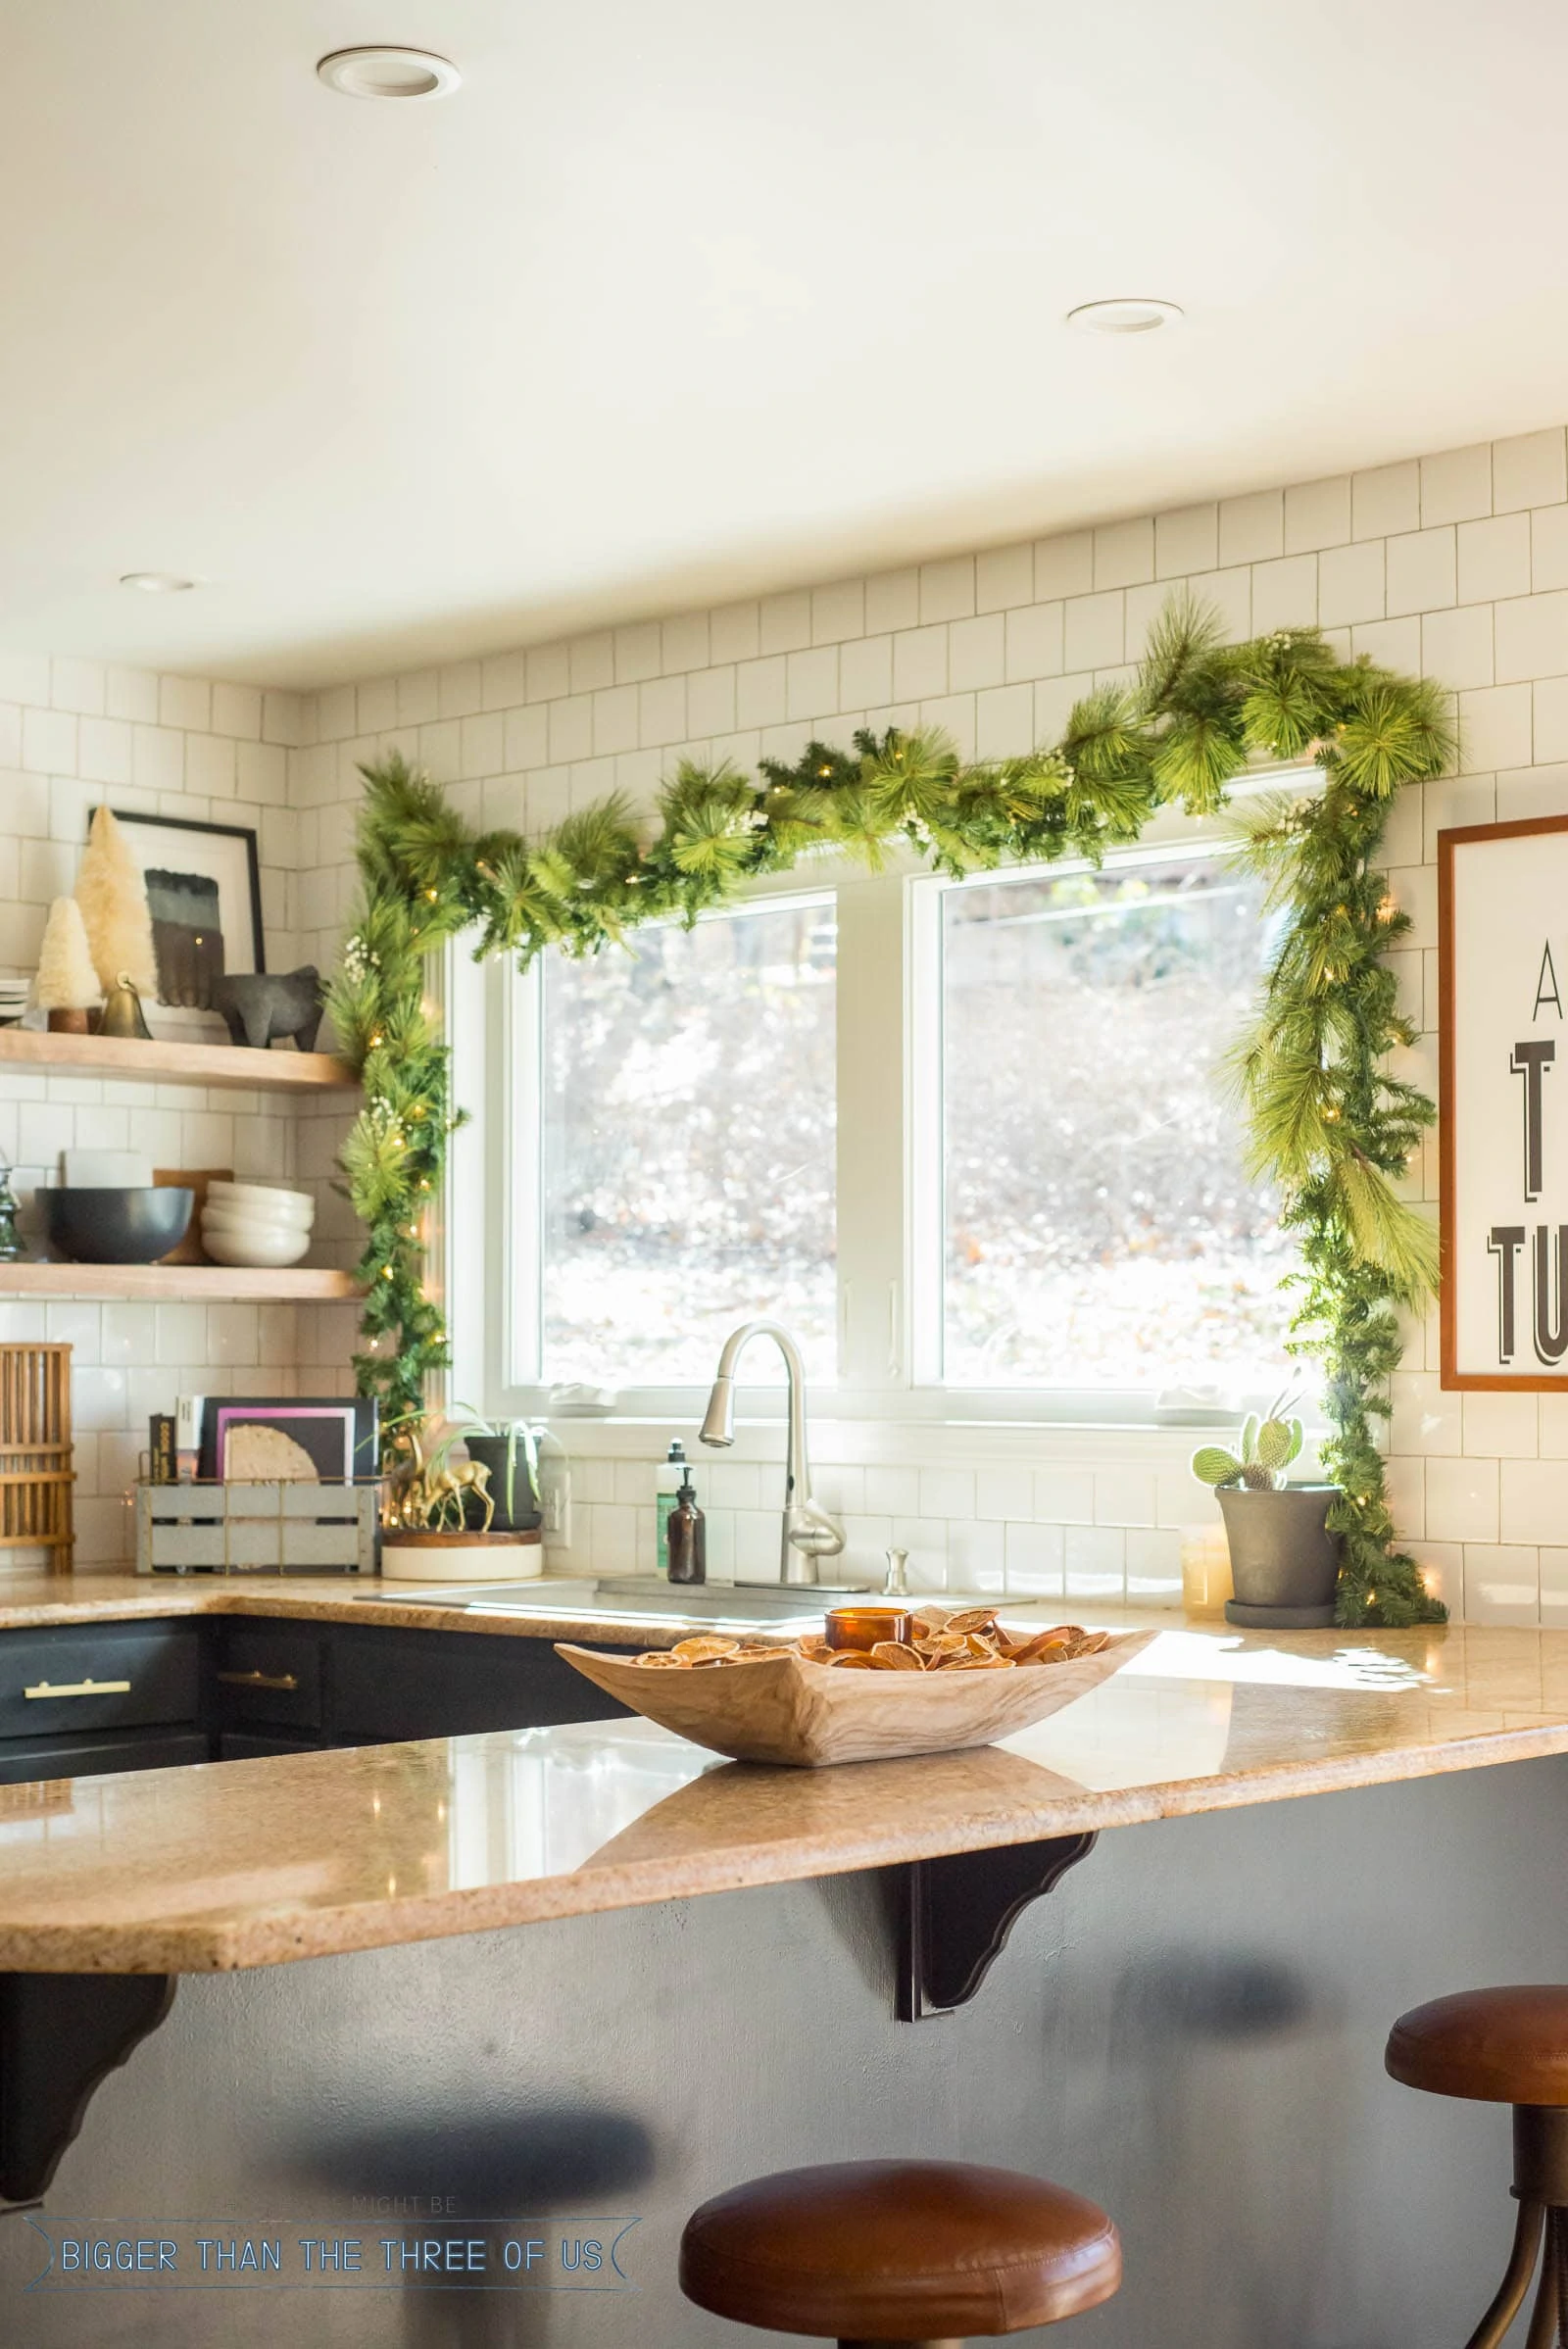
(30, 1600)
(262, 1862)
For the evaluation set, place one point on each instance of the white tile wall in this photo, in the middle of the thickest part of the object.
(995, 1525)
(73, 732)
(1455, 563)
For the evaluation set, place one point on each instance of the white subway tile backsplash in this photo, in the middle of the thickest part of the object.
(1003, 577)
(1252, 529)
(1456, 486)
(1093, 631)
(1494, 557)
(1035, 1560)
(1351, 583)
(1456, 647)
(1065, 566)
(1318, 514)
(1422, 571)
(1285, 593)
(1501, 1585)
(1065, 1495)
(1529, 471)
(947, 1493)
(1530, 636)
(1095, 1565)
(1463, 1500)
(1186, 541)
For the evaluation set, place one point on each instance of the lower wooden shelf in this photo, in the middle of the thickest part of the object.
(180, 1284)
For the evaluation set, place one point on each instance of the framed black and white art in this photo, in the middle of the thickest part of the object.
(204, 889)
(1502, 971)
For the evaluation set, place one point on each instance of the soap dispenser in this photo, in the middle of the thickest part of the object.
(669, 1477)
(686, 1536)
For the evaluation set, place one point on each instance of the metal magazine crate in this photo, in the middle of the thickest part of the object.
(270, 1527)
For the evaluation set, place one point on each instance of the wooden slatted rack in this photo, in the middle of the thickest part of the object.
(36, 1475)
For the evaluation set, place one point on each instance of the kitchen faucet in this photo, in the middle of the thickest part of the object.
(809, 1533)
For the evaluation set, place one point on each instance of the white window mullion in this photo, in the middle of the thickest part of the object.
(873, 1351)
(518, 1173)
(468, 1205)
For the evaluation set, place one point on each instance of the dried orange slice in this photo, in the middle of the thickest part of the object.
(892, 1656)
(707, 1644)
(1046, 1647)
(971, 1619)
(981, 1664)
(658, 1660)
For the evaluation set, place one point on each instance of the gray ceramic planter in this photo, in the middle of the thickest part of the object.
(1285, 1564)
(524, 1512)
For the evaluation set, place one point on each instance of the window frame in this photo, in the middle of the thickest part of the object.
(890, 1174)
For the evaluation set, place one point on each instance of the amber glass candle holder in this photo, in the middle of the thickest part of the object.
(863, 1627)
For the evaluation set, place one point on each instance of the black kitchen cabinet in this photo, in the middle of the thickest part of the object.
(389, 1684)
(80, 1698)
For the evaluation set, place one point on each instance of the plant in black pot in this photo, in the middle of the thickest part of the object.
(510, 1450)
(1285, 1564)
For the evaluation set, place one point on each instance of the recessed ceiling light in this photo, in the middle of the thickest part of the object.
(1123, 317)
(388, 73)
(155, 583)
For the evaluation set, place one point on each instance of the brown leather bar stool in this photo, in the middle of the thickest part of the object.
(916, 2254)
(1507, 2046)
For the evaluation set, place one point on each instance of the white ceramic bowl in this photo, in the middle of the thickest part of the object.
(257, 1220)
(262, 1200)
(253, 1220)
(264, 1227)
(249, 1244)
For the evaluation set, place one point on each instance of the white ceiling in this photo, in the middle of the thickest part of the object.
(677, 301)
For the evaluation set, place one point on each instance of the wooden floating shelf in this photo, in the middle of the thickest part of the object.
(180, 1284)
(233, 1068)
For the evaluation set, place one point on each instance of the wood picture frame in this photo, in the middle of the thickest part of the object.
(1503, 1030)
(218, 868)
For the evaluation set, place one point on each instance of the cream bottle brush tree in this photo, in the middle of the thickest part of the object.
(113, 896)
(67, 986)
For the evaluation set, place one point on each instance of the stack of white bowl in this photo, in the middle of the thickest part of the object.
(256, 1223)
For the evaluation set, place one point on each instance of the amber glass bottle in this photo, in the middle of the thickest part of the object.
(686, 1538)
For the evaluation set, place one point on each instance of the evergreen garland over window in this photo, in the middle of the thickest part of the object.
(1330, 1124)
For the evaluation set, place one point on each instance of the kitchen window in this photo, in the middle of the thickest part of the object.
(687, 1167)
(970, 1139)
(1098, 1226)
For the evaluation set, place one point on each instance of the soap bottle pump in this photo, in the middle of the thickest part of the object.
(687, 1537)
(668, 1481)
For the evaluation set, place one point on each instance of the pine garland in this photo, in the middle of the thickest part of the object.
(1329, 1125)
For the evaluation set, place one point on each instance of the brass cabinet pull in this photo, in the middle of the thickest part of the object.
(79, 1689)
(259, 1680)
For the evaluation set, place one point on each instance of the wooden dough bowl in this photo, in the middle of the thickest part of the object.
(783, 1709)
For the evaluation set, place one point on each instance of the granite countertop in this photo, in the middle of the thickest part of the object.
(257, 1863)
(29, 1601)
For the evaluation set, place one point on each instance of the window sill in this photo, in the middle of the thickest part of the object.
(837, 1441)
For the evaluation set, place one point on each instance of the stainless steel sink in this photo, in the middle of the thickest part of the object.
(650, 1593)
(629, 1596)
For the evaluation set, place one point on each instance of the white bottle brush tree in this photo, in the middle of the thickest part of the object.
(113, 897)
(1265, 1450)
(67, 980)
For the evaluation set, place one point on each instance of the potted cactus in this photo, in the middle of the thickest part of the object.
(1285, 1562)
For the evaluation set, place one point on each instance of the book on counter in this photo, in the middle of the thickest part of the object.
(188, 1415)
(161, 1448)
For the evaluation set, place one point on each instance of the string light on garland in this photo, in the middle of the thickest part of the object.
(1330, 1126)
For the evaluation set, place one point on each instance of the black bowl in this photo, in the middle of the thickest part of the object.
(102, 1226)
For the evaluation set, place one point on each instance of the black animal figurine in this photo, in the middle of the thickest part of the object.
(258, 1005)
